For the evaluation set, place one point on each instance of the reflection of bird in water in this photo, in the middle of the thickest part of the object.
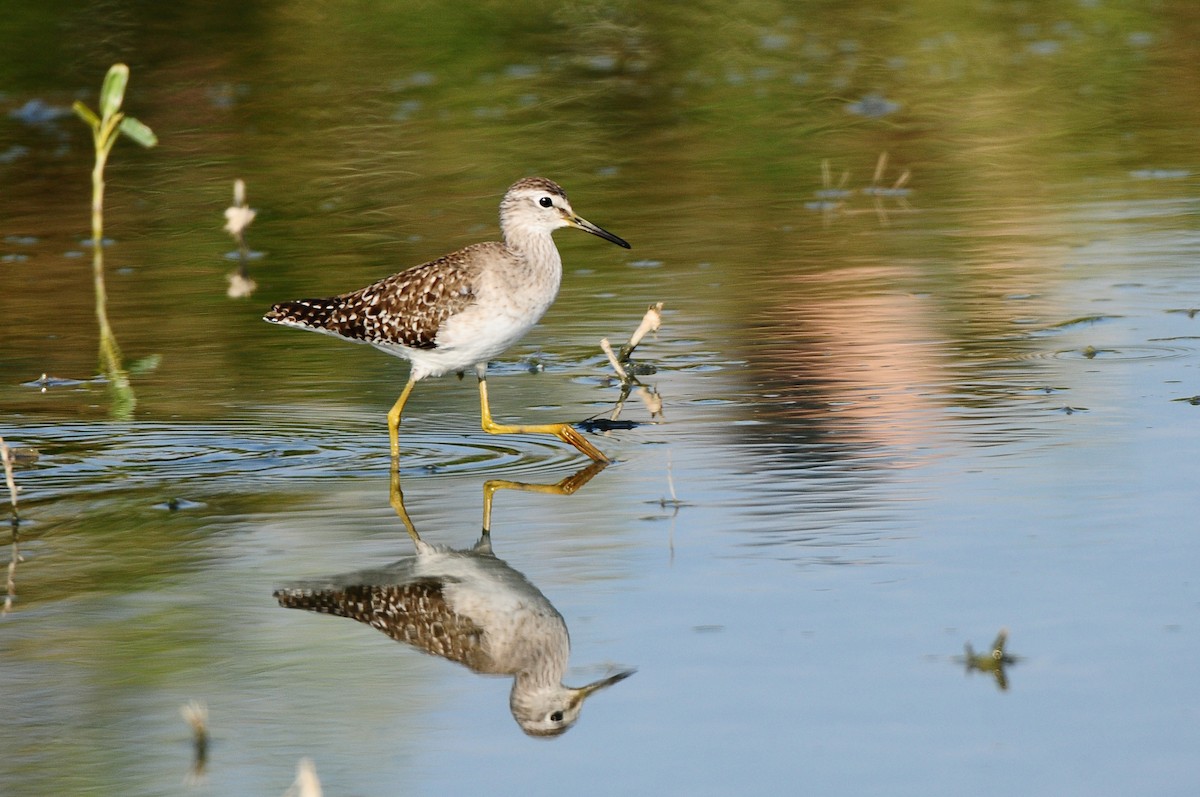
(472, 608)
(465, 308)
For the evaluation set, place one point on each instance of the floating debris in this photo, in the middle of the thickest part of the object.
(178, 504)
(991, 661)
(13, 153)
(45, 382)
(1072, 323)
(37, 113)
(873, 106)
(1044, 47)
(607, 425)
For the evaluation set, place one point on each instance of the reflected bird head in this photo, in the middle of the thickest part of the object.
(552, 710)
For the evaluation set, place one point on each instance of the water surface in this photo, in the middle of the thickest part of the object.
(906, 401)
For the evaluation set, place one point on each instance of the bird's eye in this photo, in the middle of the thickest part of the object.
(546, 202)
(558, 715)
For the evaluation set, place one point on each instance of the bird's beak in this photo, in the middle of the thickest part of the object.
(585, 691)
(587, 226)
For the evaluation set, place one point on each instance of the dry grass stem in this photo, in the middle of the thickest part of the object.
(307, 784)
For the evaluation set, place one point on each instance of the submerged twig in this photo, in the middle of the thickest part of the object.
(10, 593)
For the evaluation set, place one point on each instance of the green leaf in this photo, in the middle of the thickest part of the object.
(138, 132)
(85, 113)
(145, 365)
(112, 93)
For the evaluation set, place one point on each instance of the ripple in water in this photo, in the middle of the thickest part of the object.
(1134, 352)
(104, 457)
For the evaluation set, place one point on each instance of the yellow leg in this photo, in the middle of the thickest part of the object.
(393, 418)
(565, 487)
(397, 501)
(563, 431)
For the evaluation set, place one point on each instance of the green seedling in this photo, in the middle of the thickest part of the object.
(107, 127)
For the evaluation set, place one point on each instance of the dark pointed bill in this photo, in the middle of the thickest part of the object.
(604, 683)
(587, 226)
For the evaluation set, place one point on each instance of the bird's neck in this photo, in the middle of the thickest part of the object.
(536, 248)
(541, 262)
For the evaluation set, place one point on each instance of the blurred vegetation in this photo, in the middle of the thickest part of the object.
(380, 135)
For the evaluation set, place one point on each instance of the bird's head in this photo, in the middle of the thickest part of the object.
(538, 205)
(552, 710)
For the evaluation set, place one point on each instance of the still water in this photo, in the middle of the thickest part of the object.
(927, 370)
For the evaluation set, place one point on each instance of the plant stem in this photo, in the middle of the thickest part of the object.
(109, 352)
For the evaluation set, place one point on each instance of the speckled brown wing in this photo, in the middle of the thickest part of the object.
(415, 613)
(406, 308)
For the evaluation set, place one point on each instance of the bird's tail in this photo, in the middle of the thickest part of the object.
(354, 602)
(305, 313)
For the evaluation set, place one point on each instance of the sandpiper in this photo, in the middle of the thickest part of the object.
(463, 309)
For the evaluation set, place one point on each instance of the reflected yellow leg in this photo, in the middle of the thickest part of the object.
(393, 418)
(563, 431)
(565, 487)
(397, 500)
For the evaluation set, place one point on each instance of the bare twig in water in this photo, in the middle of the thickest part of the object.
(237, 218)
(621, 363)
(672, 502)
(10, 593)
(6, 455)
(607, 348)
(195, 714)
(307, 784)
(674, 499)
(651, 322)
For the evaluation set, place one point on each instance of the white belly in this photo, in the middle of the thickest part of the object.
(469, 339)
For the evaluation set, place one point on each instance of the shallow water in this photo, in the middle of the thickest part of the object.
(893, 421)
